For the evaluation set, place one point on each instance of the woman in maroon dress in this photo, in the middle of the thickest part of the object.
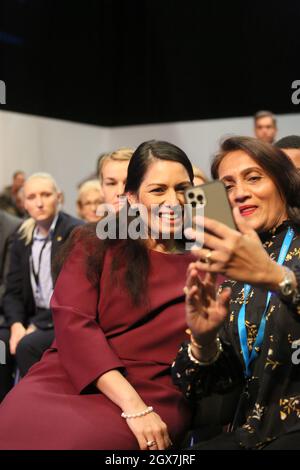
(119, 317)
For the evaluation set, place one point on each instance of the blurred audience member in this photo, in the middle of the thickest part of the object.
(19, 203)
(291, 147)
(265, 126)
(89, 197)
(199, 176)
(9, 199)
(8, 225)
(28, 327)
(112, 173)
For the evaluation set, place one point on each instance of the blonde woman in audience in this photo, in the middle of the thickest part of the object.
(27, 330)
(90, 196)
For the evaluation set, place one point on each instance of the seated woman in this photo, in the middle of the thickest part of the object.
(89, 197)
(118, 309)
(249, 332)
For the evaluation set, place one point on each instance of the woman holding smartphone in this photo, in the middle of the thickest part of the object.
(248, 333)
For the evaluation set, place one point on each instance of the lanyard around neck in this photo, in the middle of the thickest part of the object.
(36, 274)
(249, 357)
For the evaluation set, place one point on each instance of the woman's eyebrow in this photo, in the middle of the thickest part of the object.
(243, 172)
(155, 184)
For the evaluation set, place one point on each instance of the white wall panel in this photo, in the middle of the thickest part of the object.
(69, 150)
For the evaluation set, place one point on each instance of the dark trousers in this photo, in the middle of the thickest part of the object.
(227, 441)
(29, 351)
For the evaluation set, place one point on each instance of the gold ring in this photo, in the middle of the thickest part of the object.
(151, 443)
(207, 258)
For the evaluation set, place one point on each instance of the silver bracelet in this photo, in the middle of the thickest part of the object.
(206, 363)
(148, 410)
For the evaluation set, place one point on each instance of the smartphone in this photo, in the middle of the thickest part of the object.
(212, 198)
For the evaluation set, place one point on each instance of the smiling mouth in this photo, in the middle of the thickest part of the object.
(245, 211)
(170, 217)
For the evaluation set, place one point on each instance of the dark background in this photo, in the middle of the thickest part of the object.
(119, 62)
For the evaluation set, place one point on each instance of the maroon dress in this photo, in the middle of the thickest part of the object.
(56, 406)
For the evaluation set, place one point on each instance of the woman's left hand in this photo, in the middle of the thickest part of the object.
(239, 255)
(150, 431)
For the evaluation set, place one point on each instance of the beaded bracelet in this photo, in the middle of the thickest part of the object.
(148, 410)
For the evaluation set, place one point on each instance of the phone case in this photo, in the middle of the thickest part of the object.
(213, 198)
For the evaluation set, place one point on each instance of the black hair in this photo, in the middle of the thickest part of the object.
(288, 142)
(146, 153)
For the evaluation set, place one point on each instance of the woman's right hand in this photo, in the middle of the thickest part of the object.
(206, 310)
(150, 428)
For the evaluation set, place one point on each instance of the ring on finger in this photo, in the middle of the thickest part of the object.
(207, 258)
(151, 443)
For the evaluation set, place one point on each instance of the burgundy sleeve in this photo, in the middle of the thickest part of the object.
(82, 346)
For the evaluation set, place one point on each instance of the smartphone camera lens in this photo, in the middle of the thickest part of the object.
(192, 195)
(200, 198)
(194, 204)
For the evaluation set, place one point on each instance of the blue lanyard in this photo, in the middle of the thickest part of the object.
(248, 358)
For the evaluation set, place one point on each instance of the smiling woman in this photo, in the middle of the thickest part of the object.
(118, 310)
(164, 175)
(244, 334)
(258, 175)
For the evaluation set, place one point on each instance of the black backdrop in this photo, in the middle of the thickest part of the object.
(119, 62)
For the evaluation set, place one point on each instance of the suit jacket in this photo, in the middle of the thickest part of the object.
(8, 225)
(18, 300)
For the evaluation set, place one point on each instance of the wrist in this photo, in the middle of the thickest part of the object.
(272, 277)
(133, 405)
(140, 414)
(204, 352)
(195, 355)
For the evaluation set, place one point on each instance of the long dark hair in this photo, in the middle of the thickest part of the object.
(132, 254)
(275, 163)
(146, 153)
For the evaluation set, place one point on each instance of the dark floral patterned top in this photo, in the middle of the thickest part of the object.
(272, 406)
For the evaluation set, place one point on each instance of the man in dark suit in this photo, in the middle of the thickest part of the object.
(8, 225)
(28, 329)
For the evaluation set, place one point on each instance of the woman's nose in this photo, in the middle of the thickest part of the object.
(120, 189)
(241, 193)
(172, 198)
